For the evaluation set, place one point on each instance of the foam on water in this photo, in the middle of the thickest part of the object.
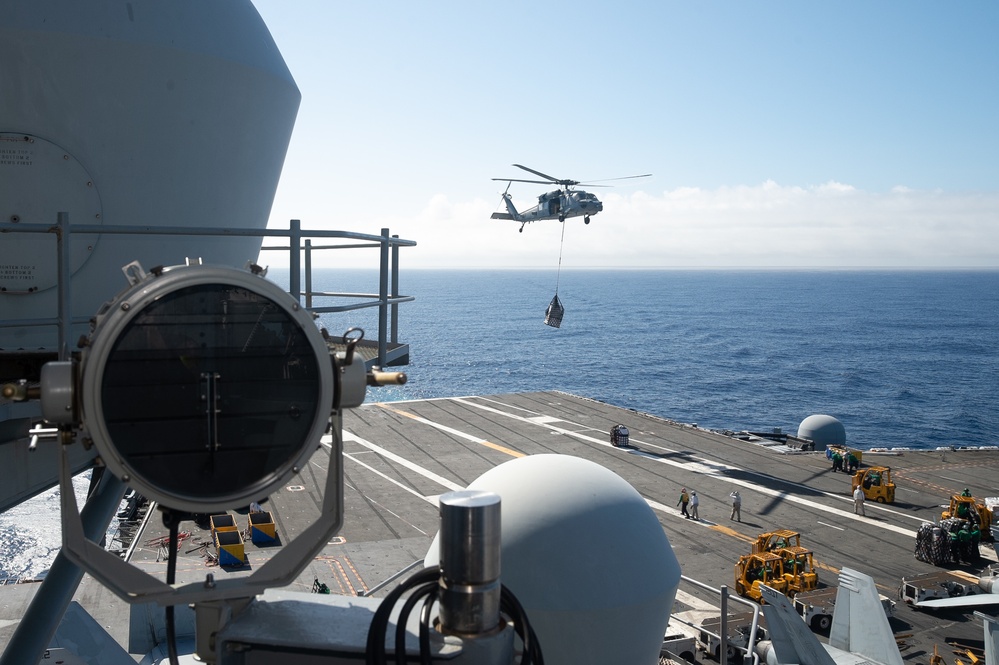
(31, 533)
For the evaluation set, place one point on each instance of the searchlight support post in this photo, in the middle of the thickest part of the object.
(64, 272)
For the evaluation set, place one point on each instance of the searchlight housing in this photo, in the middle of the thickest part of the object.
(204, 388)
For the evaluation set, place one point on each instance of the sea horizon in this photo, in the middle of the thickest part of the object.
(734, 349)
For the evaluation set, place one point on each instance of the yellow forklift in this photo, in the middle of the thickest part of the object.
(772, 541)
(875, 481)
(752, 570)
(799, 569)
(963, 506)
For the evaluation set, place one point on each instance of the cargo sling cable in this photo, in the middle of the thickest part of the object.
(553, 315)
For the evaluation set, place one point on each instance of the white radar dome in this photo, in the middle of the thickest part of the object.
(585, 555)
(823, 430)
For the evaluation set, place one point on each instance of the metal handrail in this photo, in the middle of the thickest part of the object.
(751, 655)
(387, 299)
(392, 578)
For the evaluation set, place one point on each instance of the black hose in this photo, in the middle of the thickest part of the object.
(511, 607)
(375, 650)
(426, 591)
(171, 629)
(425, 623)
(423, 586)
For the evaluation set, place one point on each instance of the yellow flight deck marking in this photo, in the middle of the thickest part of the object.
(826, 566)
(502, 449)
(340, 576)
(728, 531)
(450, 430)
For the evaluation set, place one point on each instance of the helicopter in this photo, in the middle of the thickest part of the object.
(558, 204)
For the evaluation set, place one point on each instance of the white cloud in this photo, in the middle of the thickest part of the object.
(765, 225)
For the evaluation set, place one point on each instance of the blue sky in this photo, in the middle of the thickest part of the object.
(778, 133)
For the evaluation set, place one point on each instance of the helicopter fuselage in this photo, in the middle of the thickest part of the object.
(557, 204)
(561, 205)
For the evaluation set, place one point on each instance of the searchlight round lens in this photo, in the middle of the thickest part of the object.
(206, 388)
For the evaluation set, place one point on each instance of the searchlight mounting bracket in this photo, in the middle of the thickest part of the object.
(135, 395)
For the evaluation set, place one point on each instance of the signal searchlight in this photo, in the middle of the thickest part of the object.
(204, 388)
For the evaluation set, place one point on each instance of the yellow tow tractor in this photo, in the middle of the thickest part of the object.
(964, 506)
(772, 541)
(875, 481)
(752, 570)
(796, 571)
(799, 569)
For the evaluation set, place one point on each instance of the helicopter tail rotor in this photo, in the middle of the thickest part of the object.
(511, 209)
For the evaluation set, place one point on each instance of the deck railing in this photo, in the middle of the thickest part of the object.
(750, 657)
(300, 246)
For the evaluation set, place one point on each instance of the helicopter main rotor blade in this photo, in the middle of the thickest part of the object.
(561, 183)
(566, 183)
(536, 182)
(627, 177)
(550, 179)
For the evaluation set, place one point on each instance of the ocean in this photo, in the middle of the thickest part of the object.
(901, 358)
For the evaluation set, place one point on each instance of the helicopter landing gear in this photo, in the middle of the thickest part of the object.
(586, 220)
(561, 218)
(521, 228)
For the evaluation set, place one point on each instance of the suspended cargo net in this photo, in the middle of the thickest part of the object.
(553, 315)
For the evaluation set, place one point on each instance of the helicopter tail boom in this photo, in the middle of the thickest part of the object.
(512, 210)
